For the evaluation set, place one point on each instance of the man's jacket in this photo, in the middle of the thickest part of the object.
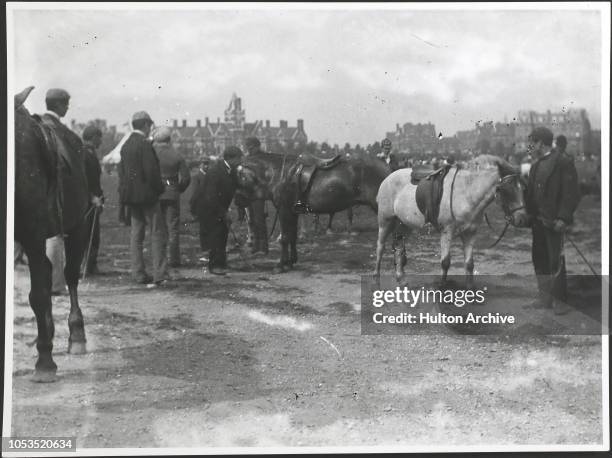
(74, 190)
(92, 169)
(139, 172)
(213, 196)
(552, 192)
(174, 171)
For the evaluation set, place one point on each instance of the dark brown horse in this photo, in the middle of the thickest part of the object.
(349, 182)
(45, 208)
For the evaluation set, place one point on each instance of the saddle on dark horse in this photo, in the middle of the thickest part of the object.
(430, 186)
(301, 205)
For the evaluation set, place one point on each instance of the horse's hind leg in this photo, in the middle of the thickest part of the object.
(399, 250)
(468, 256)
(446, 238)
(75, 247)
(385, 227)
(40, 301)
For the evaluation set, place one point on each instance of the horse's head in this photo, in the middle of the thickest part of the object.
(510, 194)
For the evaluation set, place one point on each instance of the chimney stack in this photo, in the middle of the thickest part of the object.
(206, 120)
(199, 123)
(184, 123)
(300, 125)
(175, 123)
(218, 120)
(267, 123)
(283, 124)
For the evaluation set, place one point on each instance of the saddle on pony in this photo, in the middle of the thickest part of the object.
(430, 186)
(301, 205)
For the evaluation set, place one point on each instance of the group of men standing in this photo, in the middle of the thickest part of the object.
(152, 176)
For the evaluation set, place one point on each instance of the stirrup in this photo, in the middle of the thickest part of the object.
(301, 207)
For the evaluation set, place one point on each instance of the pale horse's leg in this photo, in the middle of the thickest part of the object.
(385, 227)
(446, 238)
(468, 257)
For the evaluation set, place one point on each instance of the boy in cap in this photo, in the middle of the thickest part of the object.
(140, 187)
(92, 139)
(213, 203)
(552, 197)
(176, 178)
(389, 157)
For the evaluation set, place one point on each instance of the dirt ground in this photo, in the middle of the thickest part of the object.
(258, 358)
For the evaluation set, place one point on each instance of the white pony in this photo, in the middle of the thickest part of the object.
(468, 189)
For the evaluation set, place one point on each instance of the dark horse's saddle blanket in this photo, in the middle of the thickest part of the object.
(301, 203)
(430, 186)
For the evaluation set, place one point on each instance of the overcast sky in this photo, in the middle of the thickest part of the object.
(351, 75)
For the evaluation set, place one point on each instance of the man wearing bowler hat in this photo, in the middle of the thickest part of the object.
(140, 187)
(552, 197)
(213, 203)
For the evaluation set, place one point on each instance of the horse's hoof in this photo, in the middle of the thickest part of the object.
(44, 376)
(77, 348)
(329, 232)
(353, 233)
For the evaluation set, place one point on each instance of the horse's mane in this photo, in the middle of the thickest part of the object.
(486, 161)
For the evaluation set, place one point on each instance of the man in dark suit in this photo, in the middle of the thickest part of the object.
(92, 139)
(552, 198)
(214, 200)
(140, 187)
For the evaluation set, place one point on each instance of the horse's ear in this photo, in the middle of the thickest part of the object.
(22, 96)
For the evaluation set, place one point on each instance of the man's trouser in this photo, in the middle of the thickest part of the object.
(142, 216)
(549, 263)
(257, 222)
(216, 235)
(55, 253)
(93, 221)
(171, 212)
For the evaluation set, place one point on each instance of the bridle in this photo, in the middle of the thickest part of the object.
(503, 181)
(508, 212)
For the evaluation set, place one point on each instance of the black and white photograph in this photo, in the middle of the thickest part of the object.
(287, 228)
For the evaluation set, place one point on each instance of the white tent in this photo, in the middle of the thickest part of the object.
(114, 157)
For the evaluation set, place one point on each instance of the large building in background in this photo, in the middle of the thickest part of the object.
(500, 138)
(414, 138)
(573, 123)
(211, 138)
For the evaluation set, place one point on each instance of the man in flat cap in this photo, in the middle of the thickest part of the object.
(389, 157)
(176, 178)
(140, 187)
(552, 198)
(213, 204)
(256, 210)
(92, 139)
(74, 179)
